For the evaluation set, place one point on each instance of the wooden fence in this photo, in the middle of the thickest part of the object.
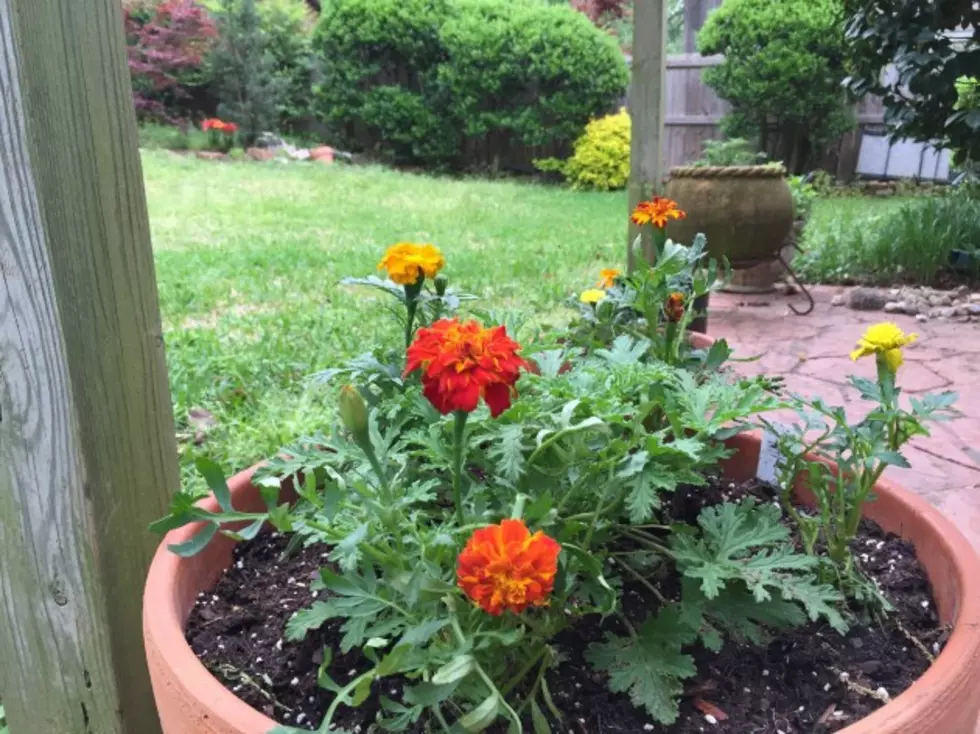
(694, 112)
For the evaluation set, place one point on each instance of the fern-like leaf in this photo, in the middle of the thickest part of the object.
(651, 666)
(745, 547)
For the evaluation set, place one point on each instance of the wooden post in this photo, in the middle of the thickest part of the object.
(646, 104)
(87, 448)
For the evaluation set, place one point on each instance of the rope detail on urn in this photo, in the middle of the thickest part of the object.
(768, 171)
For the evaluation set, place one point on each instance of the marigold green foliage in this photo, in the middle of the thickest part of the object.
(601, 160)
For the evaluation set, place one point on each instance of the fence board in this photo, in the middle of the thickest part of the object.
(693, 114)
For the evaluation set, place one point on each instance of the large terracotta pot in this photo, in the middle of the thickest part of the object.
(943, 701)
(746, 212)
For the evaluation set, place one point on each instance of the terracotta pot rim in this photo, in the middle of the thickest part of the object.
(762, 171)
(163, 626)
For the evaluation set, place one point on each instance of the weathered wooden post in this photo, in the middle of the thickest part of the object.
(646, 103)
(87, 450)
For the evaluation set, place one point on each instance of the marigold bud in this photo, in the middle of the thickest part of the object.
(354, 413)
(441, 283)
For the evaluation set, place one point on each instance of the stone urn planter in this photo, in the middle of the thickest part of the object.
(943, 701)
(746, 212)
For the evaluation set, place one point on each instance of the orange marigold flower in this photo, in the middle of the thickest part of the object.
(505, 567)
(463, 362)
(674, 307)
(407, 263)
(607, 277)
(213, 123)
(656, 212)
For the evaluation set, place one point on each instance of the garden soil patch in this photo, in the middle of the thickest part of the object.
(806, 680)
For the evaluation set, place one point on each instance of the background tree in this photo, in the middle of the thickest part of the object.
(782, 73)
(935, 49)
(244, 70)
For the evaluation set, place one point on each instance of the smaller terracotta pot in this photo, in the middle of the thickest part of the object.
(943, 701)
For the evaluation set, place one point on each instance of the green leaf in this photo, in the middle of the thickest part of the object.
(215, 479)
(422, 633)
(538, 719)
(482, 716)
(311, 618)
(650, 668)
(281, 519)
(455, 670)
(196, 544)
(625, 350)
(429, 694)
(508, 452)
(248, 532)
(745, 548)
(893, 458)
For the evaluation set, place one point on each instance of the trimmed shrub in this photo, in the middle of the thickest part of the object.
(601, 160)
(782, 73)
(461, 82)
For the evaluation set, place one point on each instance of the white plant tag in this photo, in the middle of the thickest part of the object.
(769, 455)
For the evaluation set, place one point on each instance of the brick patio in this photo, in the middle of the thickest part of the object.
(812, 353)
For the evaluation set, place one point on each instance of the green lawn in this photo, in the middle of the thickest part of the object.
(248, 258)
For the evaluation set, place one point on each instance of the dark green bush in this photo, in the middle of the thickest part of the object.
(782, 73)
(461, 82)
(262, 65)
(249, 91)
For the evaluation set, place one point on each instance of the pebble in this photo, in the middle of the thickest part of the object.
(935, 648)
(765, 672)
(925, 603)
(294, 682)
(710, 719)
(921, 317)
(648, 727)
(881, 694)
(838, 300)
(845, 675)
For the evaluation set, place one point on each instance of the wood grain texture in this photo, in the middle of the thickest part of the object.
(646, 104)
(87, 449)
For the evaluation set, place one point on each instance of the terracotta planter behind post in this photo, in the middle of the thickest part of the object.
(943, 701)
(746, 212)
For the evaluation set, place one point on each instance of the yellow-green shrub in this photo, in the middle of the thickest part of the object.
(601, 160)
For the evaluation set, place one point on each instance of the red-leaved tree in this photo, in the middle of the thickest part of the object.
(602, 11)
(167, 45)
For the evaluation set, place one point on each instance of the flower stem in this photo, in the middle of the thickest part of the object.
(412, 293)
(459, 446)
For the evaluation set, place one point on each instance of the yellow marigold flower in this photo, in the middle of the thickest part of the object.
(407, 263)
(656, 212)
(886, 339)
(593, 295)
(607, 277)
